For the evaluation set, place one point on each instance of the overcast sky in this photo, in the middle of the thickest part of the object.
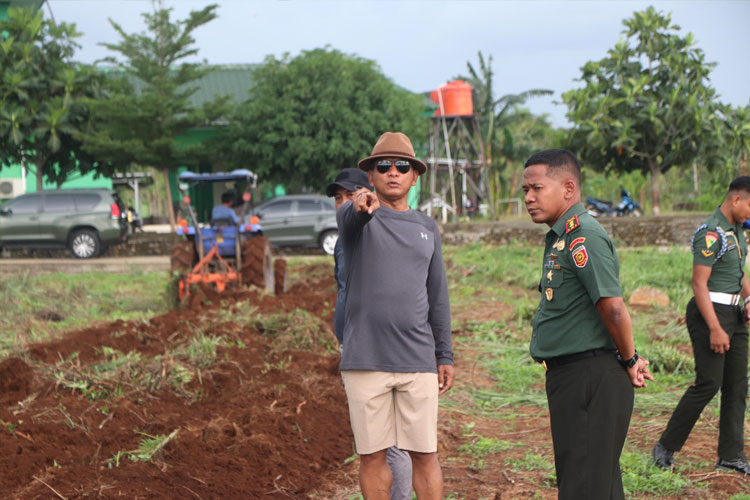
(422, 44)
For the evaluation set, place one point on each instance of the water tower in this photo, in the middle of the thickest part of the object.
(456, 153)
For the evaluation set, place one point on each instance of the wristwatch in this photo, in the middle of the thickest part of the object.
(628, 363)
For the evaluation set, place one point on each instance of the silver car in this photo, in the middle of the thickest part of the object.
(299, 220)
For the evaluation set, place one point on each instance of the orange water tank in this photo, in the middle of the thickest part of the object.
(456, 99)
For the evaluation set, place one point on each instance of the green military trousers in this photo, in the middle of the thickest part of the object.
(590, 403)
(713, 371)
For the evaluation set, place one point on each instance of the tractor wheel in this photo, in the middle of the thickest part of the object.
(257, 263)
(182, 258)
(279, 276)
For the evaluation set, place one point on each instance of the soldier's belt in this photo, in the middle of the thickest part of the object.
(728, 299)
(572, 358)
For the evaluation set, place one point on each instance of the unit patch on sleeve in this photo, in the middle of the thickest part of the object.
(576, 242)
(580, 257)
(711, 238)
(571, 224)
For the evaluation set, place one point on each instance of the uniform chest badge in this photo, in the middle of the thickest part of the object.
(549, 275)
(549, 293)
(559, 245)
(580, 256)
(571, 224)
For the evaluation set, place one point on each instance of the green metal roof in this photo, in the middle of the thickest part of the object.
(234, 80)
(6, 4)
(34, 4)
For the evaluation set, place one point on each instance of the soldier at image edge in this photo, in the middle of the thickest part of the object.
(397, 356)
(344, 187)
(716, 320)
(581, 333)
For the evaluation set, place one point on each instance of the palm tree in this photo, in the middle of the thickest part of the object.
(497, 116)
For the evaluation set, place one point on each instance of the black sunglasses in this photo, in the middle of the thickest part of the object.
(384, 166)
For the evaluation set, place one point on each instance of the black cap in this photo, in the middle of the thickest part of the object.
(350, 179)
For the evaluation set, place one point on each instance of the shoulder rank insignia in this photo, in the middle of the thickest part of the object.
(571, 224)
(559, 245)
(706, 253)
(580, 257)
(576, 242)
(711, 238)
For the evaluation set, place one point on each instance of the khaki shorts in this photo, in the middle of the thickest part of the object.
(392, 409)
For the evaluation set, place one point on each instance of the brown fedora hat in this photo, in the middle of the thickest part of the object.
(393, 145)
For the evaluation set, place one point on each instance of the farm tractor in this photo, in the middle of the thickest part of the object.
(224, 253)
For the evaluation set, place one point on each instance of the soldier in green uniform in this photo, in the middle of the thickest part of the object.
(581, 333)
(716, 319)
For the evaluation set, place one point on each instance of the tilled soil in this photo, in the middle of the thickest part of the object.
(260, 421)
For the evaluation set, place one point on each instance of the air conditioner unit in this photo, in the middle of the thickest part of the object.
(10, 187)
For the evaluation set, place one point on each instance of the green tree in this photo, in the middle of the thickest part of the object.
(43, 91)
(312, 115)
(507, 128)
(148, 105)
(648, 105)
(736, 132)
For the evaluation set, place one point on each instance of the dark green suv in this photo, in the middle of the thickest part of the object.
(83, 220)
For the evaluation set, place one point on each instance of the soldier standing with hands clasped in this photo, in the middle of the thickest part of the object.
(716, 319)
(581, 333)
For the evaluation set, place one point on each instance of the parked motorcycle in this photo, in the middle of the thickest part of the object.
(605, 208)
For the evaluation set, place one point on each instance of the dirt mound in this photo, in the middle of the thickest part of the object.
(131, 409)
(16, 378)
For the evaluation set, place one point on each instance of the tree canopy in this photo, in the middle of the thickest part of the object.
(648, 104)
(42, 107)
(312, 115)
(148, 103)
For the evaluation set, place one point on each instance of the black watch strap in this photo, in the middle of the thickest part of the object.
(628, 363)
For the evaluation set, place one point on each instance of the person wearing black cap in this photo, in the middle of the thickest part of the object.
(349, 182)
(346, 184)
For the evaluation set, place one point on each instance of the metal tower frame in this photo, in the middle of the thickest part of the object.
(456, 149)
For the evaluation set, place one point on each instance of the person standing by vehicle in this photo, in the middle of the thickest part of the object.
(397, 354)
(716, 318)
(348, 182)
(581, 333)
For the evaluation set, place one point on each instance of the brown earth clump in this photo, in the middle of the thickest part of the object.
(16, 378)
(259, 422)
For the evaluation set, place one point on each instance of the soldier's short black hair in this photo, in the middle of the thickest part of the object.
(557, 161)
(227, 197)
(741, 183)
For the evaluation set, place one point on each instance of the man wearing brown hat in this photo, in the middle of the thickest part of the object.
(397, 355)
(344, 187)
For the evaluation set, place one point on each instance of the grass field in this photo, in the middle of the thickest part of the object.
(493, 298)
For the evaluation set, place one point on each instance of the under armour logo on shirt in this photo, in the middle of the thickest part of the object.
(423, 235)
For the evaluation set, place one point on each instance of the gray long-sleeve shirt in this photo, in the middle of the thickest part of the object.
(397, 311)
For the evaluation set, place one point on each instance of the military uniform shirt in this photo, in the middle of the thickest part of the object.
(580, 267)
(726, 272)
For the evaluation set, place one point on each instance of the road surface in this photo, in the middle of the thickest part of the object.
(71, 265)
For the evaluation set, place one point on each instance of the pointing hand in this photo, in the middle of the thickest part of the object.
(366, 201)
